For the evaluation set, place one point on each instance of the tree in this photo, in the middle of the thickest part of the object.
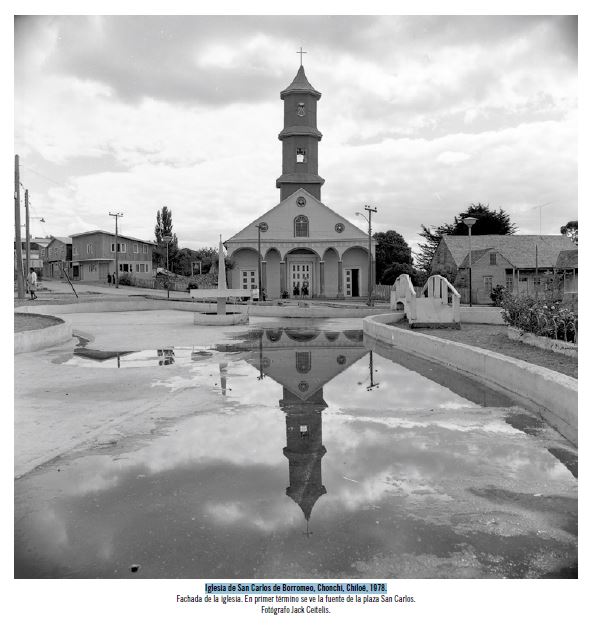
(571, 230)
(164, 226)
(394, 270)
(488, 222)
(390, 249)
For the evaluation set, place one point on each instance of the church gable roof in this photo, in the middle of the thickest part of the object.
(280, 221)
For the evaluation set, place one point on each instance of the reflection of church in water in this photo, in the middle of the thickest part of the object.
(303, 361)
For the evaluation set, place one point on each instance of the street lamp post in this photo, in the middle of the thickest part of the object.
(261, 227)
(369, 269)
(469, 222)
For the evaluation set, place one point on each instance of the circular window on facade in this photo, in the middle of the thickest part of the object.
(301, 201)
(339, 227)
(263, 227)
(341, 360)
(303, 386)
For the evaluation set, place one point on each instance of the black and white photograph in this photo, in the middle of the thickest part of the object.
(296, 299)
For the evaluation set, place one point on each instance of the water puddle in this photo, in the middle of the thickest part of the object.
(325, 456)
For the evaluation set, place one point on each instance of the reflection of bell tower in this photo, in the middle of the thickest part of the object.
(304, 448)
(300, 138)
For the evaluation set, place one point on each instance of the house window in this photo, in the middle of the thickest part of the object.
(124, 267)
(493, 259)
(121, 248)
(488, 282)
(301, 226)
(134, 248)
(89, 249)
(301, 155)
(74, 251)
(145, 248)
(509, 282)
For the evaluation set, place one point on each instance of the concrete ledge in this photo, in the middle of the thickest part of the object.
(481, 315)
(144, 304)
(553, 395)
(547, 343)
(35, 339)
(217, 320)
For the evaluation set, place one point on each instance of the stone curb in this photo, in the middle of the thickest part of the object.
(554, 396)
(35, 339)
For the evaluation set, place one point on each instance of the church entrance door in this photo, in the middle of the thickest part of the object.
(300, 276)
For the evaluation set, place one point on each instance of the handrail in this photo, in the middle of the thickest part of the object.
(442, 279)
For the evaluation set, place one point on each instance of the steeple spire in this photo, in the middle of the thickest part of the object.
(300, 138)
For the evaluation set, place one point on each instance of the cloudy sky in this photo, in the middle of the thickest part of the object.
(421, 116)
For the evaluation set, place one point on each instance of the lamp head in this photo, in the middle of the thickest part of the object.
(469, 221)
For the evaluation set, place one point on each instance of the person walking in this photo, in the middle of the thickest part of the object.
(32, 283)
(108, 279)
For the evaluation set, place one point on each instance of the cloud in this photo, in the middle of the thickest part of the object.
(184, 111)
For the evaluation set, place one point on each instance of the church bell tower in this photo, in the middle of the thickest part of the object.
(300, 138)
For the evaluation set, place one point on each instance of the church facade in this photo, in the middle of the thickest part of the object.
(306, 249)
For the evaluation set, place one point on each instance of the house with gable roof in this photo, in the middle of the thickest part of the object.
(508, 260)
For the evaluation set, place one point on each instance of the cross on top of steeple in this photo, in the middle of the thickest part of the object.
(301, 52)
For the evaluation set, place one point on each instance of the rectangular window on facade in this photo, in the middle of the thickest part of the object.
(145, 248)
(74, 251)
(134, 248)
(493, 259)
(509, 282)
(122, 248)
(89, 249)
(488, 283)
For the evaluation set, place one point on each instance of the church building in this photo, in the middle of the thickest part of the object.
(306, 249)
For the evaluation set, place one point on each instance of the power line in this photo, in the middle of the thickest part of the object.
(43, 176)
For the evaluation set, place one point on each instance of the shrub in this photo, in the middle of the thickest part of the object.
(192, 285)
(125, 279)
(497, 295)
(546, 318)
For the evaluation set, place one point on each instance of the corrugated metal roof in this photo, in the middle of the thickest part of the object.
(520, 250)
(567, 259)
(120, 236)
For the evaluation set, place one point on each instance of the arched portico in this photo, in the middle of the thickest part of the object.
(271, 273)
(244, 273)
(355, 271)
(302, 268)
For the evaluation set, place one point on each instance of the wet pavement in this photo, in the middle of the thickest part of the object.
(302, 453)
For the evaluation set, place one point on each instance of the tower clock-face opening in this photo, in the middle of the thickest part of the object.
(300, 155)
(301, 109)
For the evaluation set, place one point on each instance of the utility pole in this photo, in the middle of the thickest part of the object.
(369, 273)
(117, 270)
(27, 235)
(17, 230)
(536, 281)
